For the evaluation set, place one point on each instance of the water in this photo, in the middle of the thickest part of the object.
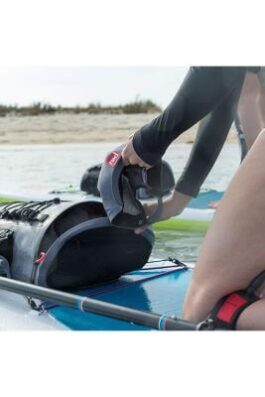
(39, 169)
(184, 246)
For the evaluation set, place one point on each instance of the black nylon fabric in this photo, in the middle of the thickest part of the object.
(74, 244)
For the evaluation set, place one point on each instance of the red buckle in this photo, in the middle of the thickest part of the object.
(41, 258)
(230, 307)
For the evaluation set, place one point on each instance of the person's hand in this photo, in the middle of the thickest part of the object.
(172, 206)
(130, 157)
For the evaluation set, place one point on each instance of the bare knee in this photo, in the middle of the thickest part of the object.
(200, 300)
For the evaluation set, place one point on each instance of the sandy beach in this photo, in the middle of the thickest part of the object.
(79, 128)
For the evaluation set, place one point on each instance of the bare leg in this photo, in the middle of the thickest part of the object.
(261, 104)
(253, 317)
(248, 108)
(233, 252)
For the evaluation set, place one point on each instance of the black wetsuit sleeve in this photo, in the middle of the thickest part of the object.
(211, 136)
(202, 91)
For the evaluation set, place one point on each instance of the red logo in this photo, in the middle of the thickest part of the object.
(113, 158)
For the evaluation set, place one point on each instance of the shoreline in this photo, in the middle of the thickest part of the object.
(80, 128)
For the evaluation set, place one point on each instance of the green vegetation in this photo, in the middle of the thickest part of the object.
(38, 108)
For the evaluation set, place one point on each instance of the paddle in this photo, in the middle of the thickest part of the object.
(150, 320)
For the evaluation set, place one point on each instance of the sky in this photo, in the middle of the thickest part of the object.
(71, 86)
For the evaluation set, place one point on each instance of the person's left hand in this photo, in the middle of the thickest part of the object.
(130, 157)
(172, 206)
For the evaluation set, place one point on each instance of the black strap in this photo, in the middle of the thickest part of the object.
(27, 211)
(158, 192)
(134, 178)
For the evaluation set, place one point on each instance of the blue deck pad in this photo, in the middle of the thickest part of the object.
(204, 199)
(160, 291)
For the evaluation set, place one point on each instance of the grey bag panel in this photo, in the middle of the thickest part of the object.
(25, 251)
(23, 245)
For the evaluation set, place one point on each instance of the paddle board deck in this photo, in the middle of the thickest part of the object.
(158, 287)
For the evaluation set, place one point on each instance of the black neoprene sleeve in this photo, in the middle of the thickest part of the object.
(206, 91)
(211, 136)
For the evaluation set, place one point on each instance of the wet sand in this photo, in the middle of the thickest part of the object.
(79, 128)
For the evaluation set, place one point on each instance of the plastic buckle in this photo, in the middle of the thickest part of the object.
(41, 258)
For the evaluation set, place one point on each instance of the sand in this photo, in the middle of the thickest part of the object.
(79, 128)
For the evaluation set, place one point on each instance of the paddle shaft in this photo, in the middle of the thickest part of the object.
(146, 319)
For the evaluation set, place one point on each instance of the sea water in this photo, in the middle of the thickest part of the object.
(39, 169)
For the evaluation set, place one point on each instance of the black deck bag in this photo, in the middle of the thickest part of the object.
(67, 245)
(89, 181)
